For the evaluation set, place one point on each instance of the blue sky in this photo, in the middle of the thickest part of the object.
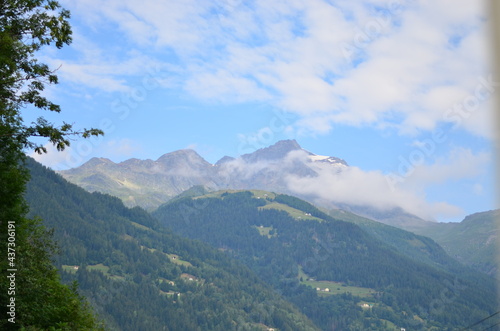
(400, 89)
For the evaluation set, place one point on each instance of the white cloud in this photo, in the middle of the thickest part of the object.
(459, 164)
(53, 159)
(238, 168)
(354, 186)
(338, 185)
(225, 86)
(411, 60)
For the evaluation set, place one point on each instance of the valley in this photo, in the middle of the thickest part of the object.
(331, 268)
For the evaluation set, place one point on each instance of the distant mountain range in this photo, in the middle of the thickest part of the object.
(474, 241)
(149, 183)
(275, 262)
(300, 250)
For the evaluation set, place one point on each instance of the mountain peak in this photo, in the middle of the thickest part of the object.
(290, 144)
(186, 154)
(273, 152)
(185, 161)
(96, 161)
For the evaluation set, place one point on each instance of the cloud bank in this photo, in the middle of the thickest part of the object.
(354, 186)
(330, 184)
(394, 63)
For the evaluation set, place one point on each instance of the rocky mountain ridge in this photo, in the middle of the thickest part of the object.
(149, 183)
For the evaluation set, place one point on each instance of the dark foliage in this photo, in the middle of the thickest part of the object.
(410, 292)
(127, 271)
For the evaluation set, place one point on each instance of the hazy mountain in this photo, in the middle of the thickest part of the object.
(474, 241)
(315, 259)
(395, 216)
(145, 183)
(277, 151)
(149, 183)
(139, 276)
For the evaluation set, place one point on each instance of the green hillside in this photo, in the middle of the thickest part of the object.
(418, 247)
(417, 287)
(140, 276)
(474, 241)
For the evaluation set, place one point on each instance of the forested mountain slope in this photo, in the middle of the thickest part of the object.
(474, 241)
(140, 276)
(418, 247)
(310, 257)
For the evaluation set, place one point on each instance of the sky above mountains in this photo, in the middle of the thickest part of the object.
(400, 89)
